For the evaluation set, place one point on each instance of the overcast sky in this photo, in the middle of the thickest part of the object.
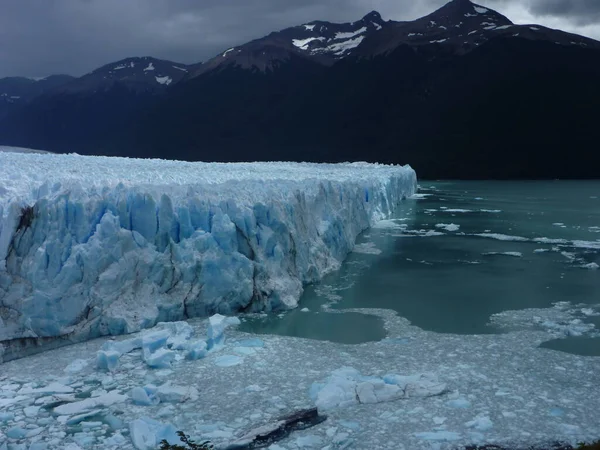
(42, 37)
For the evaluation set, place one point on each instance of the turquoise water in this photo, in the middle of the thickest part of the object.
(453, 282)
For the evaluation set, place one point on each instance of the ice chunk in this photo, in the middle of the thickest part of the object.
(448, 226)
(196, 350)
(424, 385)
(16, 433)
(501, 237)
(216, 329)
(90, 403)
(377, 392)
(52, 388)
(514, 254)
(346, 386)
(438, 436)
(180, 334)
(480, 423)
(124, 346)
(228, 360)
(160, 359)
(6, 416)
(31, 411)
(76, 366)
(141, 397)
(153, 341)
(178, 394)
(309, 441)
(81, 417)
(107, 359)
(147, 434)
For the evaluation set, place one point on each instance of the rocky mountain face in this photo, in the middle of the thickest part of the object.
(460, 93)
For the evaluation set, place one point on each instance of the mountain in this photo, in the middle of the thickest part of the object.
(89, 112)
(17, 91)
(460, 93)
(137, 74)
(321, 42)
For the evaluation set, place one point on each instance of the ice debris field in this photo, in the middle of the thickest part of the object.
(412, 390)
(93, 246)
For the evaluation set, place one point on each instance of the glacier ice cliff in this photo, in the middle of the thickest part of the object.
(93, 246)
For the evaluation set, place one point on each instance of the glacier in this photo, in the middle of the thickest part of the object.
(93, 246)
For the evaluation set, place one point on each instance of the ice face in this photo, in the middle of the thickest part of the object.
(95, 246)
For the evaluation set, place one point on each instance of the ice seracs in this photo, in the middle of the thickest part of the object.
(93, 246)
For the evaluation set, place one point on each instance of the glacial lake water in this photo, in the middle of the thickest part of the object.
(460, 253)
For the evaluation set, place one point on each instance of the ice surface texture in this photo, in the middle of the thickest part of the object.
(94, 246)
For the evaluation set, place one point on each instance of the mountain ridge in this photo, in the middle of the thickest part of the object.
(433, 92)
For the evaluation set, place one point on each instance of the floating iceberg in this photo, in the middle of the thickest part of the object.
(93, 246)
(346, 387)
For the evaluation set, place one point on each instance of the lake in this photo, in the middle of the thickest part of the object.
(460, 253)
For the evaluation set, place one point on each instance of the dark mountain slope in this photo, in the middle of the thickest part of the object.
(90, 113)
(18, 91)
(511, 108)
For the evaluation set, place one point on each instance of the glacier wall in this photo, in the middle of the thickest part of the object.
(93, 246)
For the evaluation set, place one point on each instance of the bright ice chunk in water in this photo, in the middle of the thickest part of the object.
(196, 350)
(310, 441)
(160, 359)
(178, 394)
(153, 341)
(107, 359)
(480, 423)
(438, 436)
(180, 334)
(141, 397)
(216, 329)
(90, 403)
(76, 366)
(147, 434)
(16, 433)
(448, 226)
(124, 346)
(346, 386)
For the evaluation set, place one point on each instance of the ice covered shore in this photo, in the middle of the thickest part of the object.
(94, 246)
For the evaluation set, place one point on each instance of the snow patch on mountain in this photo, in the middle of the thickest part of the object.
(350, 34)
(339, 48)
(164, 80)
(303, 43)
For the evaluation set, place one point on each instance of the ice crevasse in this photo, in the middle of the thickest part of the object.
(93, 246)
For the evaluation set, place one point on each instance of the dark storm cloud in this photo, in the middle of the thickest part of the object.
(580, 11)
(40, 37)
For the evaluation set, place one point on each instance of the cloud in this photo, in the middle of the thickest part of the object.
(583, 12)
(40, 37)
